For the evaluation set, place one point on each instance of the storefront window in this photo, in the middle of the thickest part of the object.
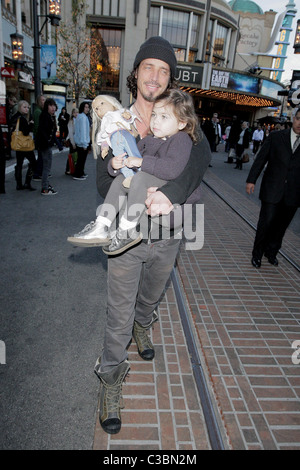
(106, 60)
(175, 28)
(153, 28)
(215, 52)
(10, 5)
(194, 38)
(219, 44)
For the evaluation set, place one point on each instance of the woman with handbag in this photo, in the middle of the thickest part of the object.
(24, 127)
(242, 144)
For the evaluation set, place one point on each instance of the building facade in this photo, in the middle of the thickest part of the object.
(205, 35)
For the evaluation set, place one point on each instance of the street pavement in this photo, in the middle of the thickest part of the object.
(52, 299)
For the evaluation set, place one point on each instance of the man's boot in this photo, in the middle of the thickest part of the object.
(28, 179)
(143, 342)
(111, 396)
(18, 177)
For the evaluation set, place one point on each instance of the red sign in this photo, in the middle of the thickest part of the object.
(2, 115)
(8, 72)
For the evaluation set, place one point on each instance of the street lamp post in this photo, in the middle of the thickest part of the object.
(36, 51)
(297, 39)
(17, 48)
(54, 16)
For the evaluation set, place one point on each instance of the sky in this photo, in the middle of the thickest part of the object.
(292, 62)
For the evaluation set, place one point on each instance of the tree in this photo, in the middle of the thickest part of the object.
(76, 52)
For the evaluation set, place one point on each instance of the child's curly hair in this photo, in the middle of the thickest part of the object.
(184, 110)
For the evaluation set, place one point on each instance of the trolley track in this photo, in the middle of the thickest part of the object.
(211, 421)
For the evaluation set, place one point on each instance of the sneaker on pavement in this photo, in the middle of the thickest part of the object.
(37, 178)
(79, 178)
(48, 192)
(93, 234)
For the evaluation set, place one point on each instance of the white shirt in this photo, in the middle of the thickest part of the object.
(293, 137)
(240, 142)
(258, 135)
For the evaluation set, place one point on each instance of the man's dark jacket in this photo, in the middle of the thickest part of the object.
(281, 177)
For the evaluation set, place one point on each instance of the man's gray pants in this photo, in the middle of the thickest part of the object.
(136, 281)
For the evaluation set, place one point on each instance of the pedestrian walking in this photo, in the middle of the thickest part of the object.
(82, 140)
(25, 126)
(46, 136)
(258, 137)
(279, 157)
(40, 101)
(71, 139)
(137, 277)
(63, 120)
(233, 138)
(242, 145)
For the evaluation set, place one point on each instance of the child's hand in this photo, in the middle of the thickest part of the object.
(104, 152)
(118, 162)
(133, 162)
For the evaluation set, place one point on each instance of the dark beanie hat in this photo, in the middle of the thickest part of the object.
(157, 48)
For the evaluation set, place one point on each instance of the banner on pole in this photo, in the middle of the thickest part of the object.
(48, 63)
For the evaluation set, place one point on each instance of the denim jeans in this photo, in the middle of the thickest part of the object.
(39, 165)
(47, 163)
(124, 142)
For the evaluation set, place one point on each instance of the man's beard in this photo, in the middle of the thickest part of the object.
(152, 95)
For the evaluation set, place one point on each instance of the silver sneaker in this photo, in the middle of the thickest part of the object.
(93, 234)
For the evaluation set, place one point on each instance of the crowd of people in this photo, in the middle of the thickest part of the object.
(47, 131)
(167, 174)
(239, 138)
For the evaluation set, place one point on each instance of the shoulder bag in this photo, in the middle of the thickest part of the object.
(245, 156)
(21, 142)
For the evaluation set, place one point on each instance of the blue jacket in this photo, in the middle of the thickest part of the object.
(82, 131)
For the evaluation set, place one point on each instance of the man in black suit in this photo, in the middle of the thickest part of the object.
(279, 191)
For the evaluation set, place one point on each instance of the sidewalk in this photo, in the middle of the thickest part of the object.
(10, 164)
(246, 321)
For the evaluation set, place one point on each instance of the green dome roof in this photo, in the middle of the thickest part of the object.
(246, 6)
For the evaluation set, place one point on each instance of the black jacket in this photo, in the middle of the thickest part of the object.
(46, 131)
(281, 177)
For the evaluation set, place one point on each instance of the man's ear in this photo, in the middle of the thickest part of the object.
(182, 125)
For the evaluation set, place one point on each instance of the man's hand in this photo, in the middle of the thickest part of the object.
(157, 203)
(133, 162)
(250, 188)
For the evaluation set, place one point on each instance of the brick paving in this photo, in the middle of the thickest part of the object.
(245, 321)
(162, 409)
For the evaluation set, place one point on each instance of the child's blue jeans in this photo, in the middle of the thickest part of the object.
(124, 142)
